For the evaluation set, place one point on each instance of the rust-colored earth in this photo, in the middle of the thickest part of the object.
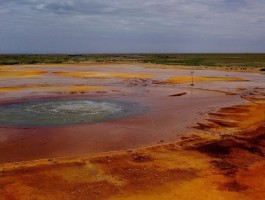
(191, 142)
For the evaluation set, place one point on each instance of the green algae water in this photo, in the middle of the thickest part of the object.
(62, 112)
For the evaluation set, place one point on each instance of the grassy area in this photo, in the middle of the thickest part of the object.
(228, 60)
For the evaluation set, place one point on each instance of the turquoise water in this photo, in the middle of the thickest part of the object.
(64, 112)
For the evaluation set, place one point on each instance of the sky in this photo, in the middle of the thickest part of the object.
(132, 26)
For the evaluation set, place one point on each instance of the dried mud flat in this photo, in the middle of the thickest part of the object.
(220, 156)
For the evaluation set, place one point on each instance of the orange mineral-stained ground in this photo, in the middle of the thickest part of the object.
(201, 166)
(221, 156)
(187, 79)
(8, 72)
(103, 75)
(62, 89)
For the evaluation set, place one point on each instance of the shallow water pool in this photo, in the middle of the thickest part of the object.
(61, 112)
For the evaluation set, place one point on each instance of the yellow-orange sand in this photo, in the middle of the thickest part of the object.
(103, 75)
(76, 88)
(188, 79)
(17, 73)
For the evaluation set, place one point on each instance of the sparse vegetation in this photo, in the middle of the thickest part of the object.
(242, 61)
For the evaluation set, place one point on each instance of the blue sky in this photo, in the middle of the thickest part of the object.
(132, 26)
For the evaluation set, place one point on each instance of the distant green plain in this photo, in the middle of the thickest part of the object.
(235, 61)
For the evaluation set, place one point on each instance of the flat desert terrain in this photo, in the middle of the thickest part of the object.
(131, 131)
